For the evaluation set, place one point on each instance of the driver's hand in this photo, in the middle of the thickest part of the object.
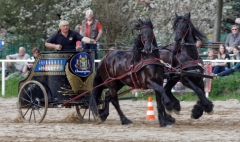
(79, 48)
(93, 41)
(58, 47)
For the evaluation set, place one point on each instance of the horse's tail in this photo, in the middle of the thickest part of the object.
(96, 93)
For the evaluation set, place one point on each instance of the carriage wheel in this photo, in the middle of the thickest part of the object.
(32, 102)
(82, 112)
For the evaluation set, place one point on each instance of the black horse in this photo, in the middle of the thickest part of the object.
(184, 56)
(139, 68)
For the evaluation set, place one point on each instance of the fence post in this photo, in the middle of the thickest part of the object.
(3, 78)
(208, 82)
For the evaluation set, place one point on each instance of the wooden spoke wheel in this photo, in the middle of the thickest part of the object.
(83, 112)
(32, 102)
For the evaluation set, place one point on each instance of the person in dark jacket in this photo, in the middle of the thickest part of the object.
(65, 39)
(236, 65)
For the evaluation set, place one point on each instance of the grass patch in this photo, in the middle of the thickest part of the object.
(226, 87)
(11, 87)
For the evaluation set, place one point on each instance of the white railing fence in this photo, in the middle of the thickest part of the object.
(3, 71)
(5, 61)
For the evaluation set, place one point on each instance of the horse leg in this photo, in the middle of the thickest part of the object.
(175, 102)
(204, 104)
(103, 113)
(160, 90)
(115, 102)
(95, 99)
(163, 118)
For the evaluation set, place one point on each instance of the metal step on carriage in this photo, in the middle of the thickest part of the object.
(55, 78)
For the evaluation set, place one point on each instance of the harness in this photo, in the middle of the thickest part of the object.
(132, 70)
(192, 61)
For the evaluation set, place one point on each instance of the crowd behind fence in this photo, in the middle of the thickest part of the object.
(3, 62)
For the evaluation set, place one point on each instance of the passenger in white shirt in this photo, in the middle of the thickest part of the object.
(28, 65)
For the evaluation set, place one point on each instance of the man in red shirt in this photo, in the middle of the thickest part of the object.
(91, 28)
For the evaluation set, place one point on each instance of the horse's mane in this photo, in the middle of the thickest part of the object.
(137, 43)
(137, 47)
(193, 29)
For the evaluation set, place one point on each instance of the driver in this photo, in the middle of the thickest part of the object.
(65, 39)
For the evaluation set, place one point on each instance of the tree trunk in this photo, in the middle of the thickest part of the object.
(217, 22)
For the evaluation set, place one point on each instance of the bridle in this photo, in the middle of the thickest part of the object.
(143, 40)
(146, 39)
(184, 34)
(192, 61)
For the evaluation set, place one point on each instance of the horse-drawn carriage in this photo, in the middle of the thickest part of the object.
(56, 77)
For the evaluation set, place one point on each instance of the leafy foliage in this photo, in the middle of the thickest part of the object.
(36, 20)
(115, 17)
(231, 10)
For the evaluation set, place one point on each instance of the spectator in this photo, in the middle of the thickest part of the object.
(222, 55)
(236, 65)
(233, 39)
(18, 66)
(211, 55)
(28, 65)
(238, 19)
(65, 39)
(3, 32)
(78, 43)
(91, 28)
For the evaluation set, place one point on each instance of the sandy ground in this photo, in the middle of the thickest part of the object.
(61, 124)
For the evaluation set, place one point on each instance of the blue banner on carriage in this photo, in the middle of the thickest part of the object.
(82, 64)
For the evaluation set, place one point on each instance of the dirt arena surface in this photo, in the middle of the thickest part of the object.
(62, 124)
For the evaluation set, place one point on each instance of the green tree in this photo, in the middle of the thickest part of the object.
(115, 16)
(34, 21)
(231, 9)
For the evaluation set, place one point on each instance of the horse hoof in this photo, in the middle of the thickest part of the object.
(169, 119)
(210, 113)
(127, 122)
(172, 120)
(176, 112)
(166, 124)
(195, 117)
